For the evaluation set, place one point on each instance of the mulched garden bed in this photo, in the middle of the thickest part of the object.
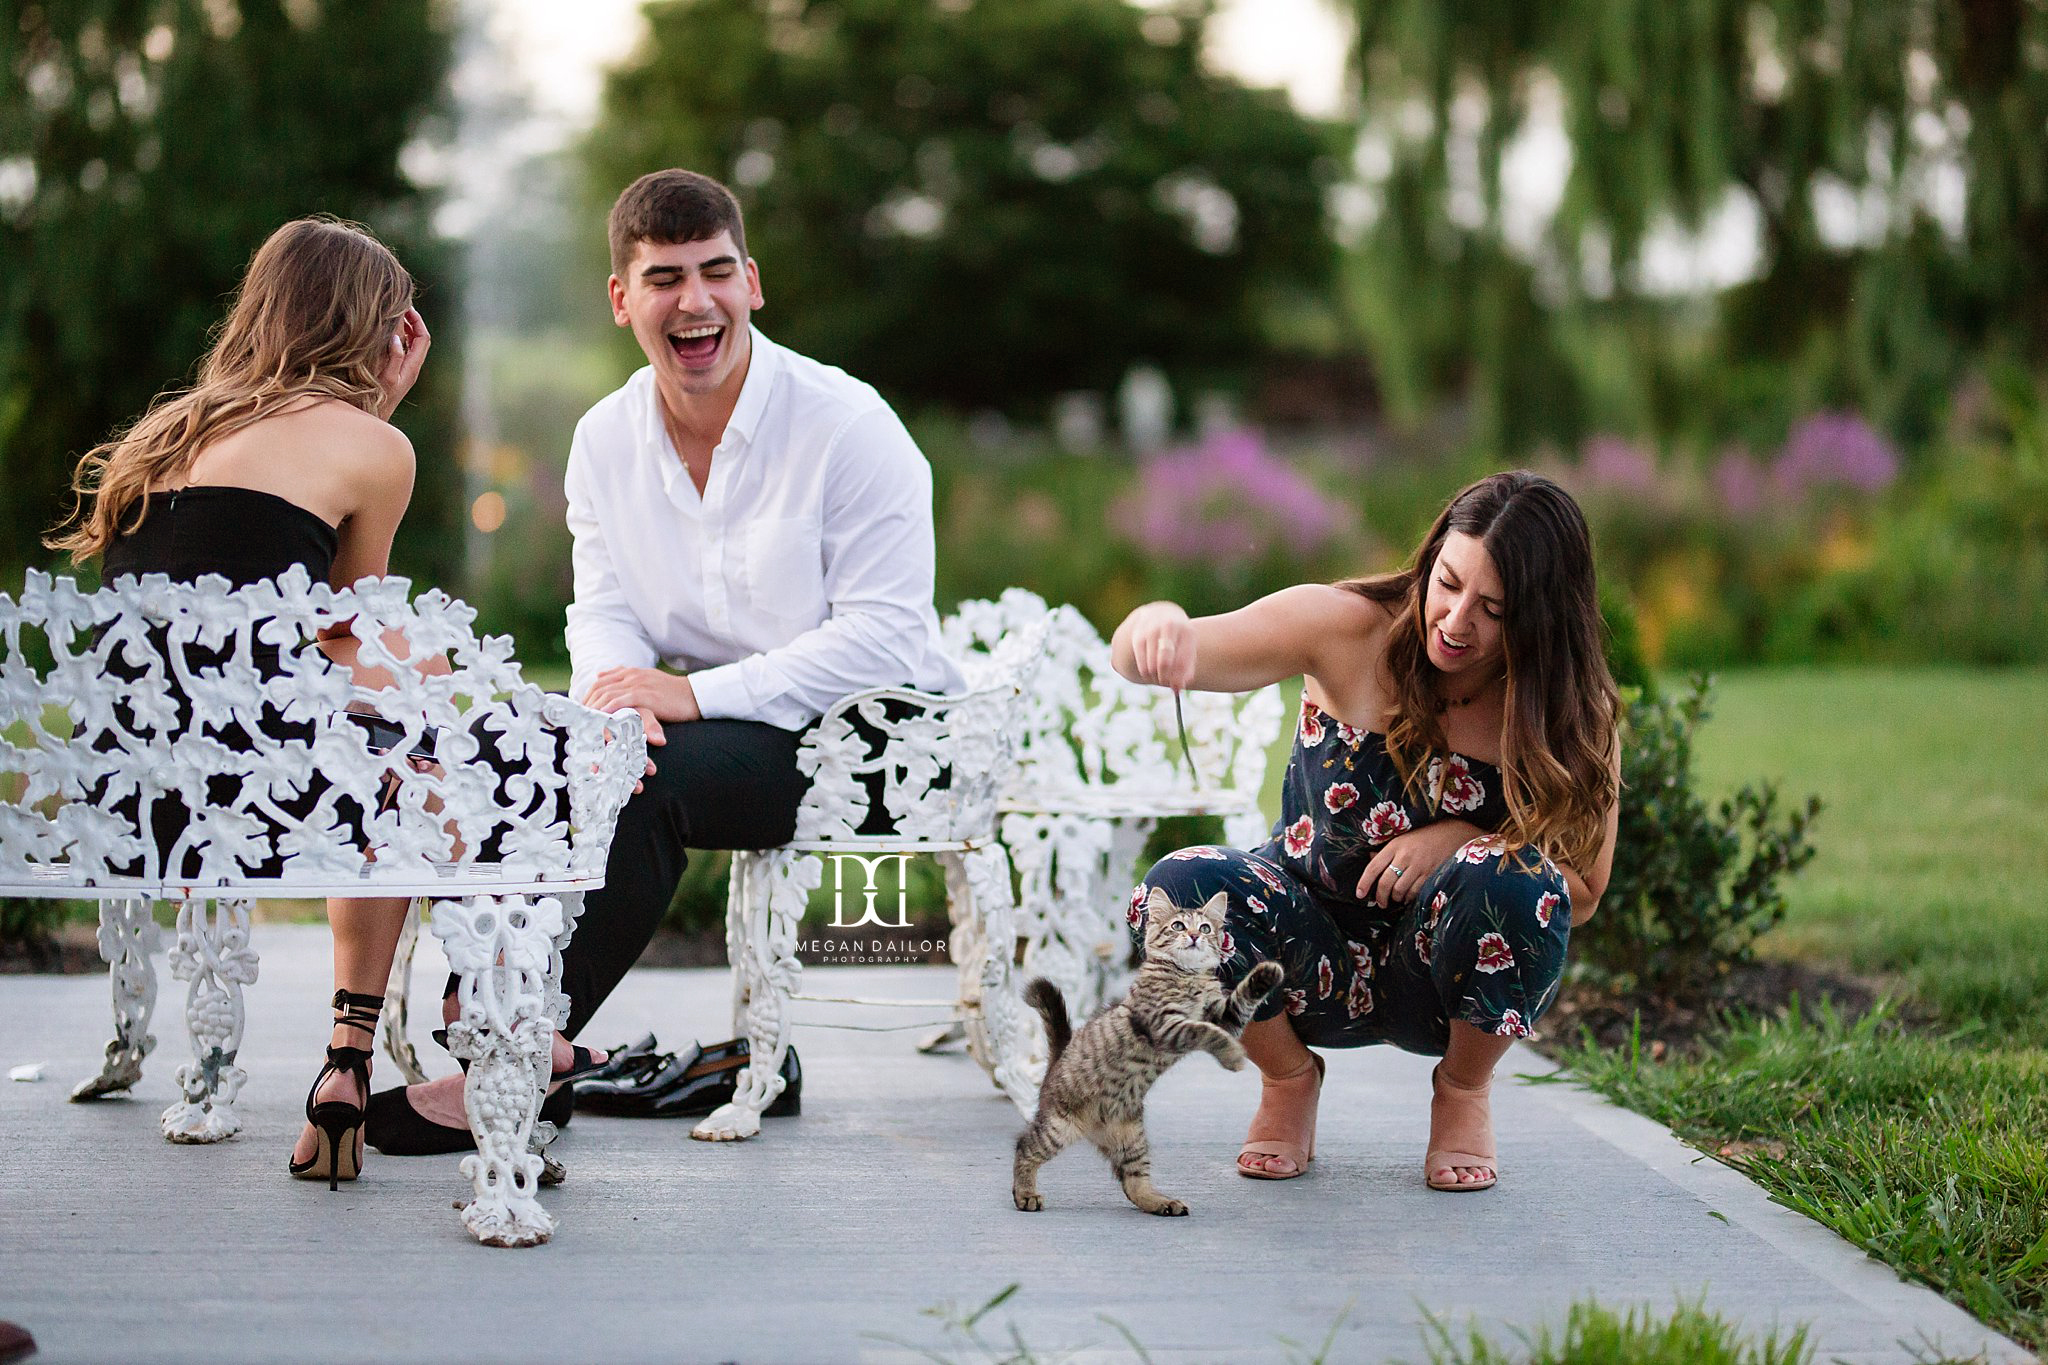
(1768, 989)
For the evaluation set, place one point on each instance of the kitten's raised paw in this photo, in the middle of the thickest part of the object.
(1027, 1203)
(1265, 978)
(1233, 1060)
(1171, 1208)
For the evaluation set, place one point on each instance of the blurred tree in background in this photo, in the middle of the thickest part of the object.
(983, 205)
(147, 147)
(1888, 153)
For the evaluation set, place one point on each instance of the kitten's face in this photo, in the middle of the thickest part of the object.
(1190, 939)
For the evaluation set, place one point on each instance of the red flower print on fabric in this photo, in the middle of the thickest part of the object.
(1297, 1002)
(1226, 945)
(1351, 736)
(1297, 838)
(1311, 724)
(1384, 821)
(1269, 877)
(1512, 1025)
(1361, 958)
(1494, 954)
(1452, 785)
(1480, 849)
(1136, 914)
(1546, 906)
(1436, 906)
(1358, 1001)
(1340, 796)
(1202, 853)
(1326, 979)
(1258, 907)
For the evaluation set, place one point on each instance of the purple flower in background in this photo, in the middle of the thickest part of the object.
(1610, 464)
(1740, 482)
(1835, 448)
(1228, 500)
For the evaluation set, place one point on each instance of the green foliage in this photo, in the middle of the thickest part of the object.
(984, 205)
(27, 924)
(1957, 568)
(1671, 111)
(1926, 1155)
(1693, 885)
(1593, 1335)
(147, 147)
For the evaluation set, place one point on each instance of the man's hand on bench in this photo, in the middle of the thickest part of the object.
(658, 696)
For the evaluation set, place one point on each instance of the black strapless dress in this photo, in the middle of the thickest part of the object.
(242, 534)
(246, 536)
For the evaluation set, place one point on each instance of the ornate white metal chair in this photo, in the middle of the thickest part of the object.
(1099, 764)
(894, 772)
(191, 743)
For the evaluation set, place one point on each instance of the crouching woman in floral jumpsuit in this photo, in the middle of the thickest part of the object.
(1448, 814)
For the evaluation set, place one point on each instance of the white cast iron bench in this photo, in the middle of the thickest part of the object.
(895, 772)
(118, 700)
(1099, 764)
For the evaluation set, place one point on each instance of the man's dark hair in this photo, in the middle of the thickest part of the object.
(672, 206)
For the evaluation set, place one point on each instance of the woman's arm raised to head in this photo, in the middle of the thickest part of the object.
(1295, 631)
(380, 478)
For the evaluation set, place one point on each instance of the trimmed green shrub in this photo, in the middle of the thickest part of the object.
(1693, 886)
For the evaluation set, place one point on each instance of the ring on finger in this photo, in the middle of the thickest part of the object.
(1395, 870)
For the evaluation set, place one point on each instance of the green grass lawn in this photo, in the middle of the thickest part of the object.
(1928, 1147)
(1933, 845)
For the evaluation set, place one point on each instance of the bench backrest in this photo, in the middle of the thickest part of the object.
(1088, 736)
(169, 739)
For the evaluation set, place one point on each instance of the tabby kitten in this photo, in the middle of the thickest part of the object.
(1096, 1083)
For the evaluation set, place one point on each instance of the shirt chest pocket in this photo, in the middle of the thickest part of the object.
(785, 571)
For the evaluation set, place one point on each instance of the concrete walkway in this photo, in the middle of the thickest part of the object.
(825, 1238)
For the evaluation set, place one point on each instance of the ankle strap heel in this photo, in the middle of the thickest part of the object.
(336, 1152)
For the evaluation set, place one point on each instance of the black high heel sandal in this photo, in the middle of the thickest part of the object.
(338, 1124)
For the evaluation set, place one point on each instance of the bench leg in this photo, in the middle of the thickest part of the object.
(128, 936)
(396, 1022)
(769, 894)
(502, 950)
(1000, 1027)
(212, 952)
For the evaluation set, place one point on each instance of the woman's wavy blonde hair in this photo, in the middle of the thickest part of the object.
(1562, 707)
(313, 318)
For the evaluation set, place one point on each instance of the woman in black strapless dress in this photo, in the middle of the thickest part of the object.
(284, 454)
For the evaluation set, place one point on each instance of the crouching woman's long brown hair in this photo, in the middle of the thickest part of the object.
(1557, 743)
(313, 318)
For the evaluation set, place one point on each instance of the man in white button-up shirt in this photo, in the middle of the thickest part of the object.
(757, 521)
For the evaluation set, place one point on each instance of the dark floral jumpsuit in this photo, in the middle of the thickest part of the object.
(1483, 940)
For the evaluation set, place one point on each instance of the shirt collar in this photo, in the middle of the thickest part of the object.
(764, 360)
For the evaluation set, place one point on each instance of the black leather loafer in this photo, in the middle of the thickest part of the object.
(620, 1061)
(695, 1089)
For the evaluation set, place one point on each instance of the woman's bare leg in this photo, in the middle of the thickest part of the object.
(1287, 1099)
(365, 940)
(1468, 1065)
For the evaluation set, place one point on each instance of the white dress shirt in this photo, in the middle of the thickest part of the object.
(802, 573)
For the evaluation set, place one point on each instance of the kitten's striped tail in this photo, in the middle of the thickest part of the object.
(1045, 997)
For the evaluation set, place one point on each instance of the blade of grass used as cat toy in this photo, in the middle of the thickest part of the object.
(1186, 752)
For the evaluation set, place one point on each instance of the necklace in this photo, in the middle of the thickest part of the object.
(1453, 703)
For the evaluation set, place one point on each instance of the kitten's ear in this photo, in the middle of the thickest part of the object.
(1217, 906)
(1156, 905)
